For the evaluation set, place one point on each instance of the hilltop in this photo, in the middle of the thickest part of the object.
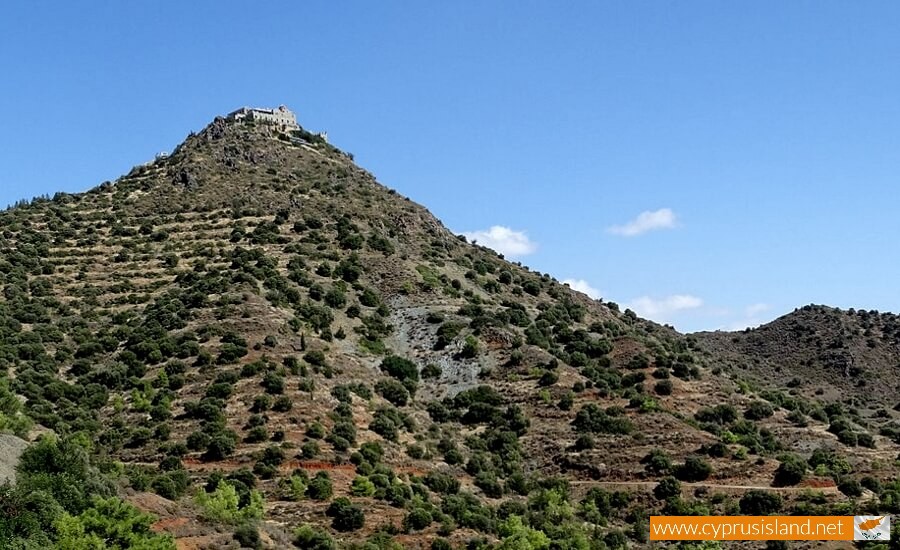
(265, 346)
(820, 351)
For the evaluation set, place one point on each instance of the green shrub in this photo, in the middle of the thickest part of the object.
(308, 537)
(319, 487)
(758, 410)
(694, 469)
(223, 504)
(591, 418)
(760, 503)
(345, 516)
(791, 470)
(668, 487)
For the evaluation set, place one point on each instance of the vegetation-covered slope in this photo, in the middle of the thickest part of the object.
(256, 342)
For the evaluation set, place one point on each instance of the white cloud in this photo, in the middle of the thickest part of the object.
(755, 309)
(663, 218)
(583, 286)
(660, 309)
(504, 240)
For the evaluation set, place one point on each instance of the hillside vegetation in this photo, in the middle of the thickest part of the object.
(252, 343)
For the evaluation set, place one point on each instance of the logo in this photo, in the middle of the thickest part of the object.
(871, 527)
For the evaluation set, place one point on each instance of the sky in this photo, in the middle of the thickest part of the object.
(711, 165)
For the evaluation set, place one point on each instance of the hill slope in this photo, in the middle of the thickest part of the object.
(256, 313)
(821, 350)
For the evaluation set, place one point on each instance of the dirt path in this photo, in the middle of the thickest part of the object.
(829, 489)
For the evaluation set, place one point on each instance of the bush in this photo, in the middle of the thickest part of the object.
(431, 371)
(663, 387)
(273, 383)
(657, 462)
(308, 537)
(247, 535)
(417, 519)
(470, 347)
(850, 487)
(393, 391)
(345, 516)
(591, 418)
(223, 504)
(758, 410)
(791, 471)
(362, 487)
(760, 503)
(694, 469)
(720, 414)
(319, 487)
(400, 368)
(668, 487)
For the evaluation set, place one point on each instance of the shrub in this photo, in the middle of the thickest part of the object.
(592, 418)
(758, 410)
(308, 537)
(223, 504)
(668, 487)
(584, 442)
(470, 347)
(694, 469)
(362, 487)
(400, 368)
(273, 383)
(759, 503)
(663, 387)
(720, 414)
(431, 371)
(393, 391)
(850, 487)
(247, 535)
(417, 519)
(791, 471)
(319, 487)
(657, 462)
(345, 516)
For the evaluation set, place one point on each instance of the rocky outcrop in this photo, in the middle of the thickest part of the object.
(11, 448)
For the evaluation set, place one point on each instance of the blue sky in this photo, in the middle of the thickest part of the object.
(709, 164)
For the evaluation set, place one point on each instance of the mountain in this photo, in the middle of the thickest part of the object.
(820, 351)
(257, 343)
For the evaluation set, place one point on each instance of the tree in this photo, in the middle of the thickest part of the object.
(362, 487)
(400, 368)
(109, 523)
(515, 535)
(319, 487)
(657, 462)
(247, 535)
(223, 504)
(668, 487)
(663, 387)
(62, 469)
(758, 410)
(694, 469)
(470, 347)
(393, 391)
(345, 516)
(308, 537)
(760, 503)
(791, 471)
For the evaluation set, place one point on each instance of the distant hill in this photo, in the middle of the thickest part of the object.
(821, 351)
(258, 343)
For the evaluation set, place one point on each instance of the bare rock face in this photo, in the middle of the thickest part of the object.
(185, 179)
(11, 448)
